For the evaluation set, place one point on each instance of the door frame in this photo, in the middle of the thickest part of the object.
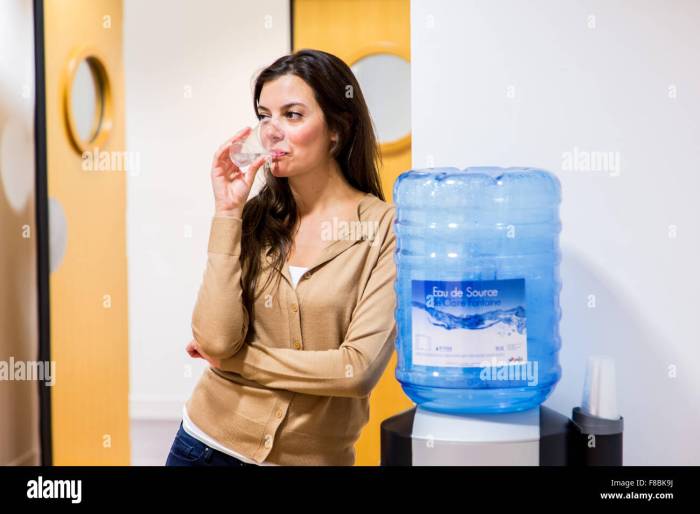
(42, 230)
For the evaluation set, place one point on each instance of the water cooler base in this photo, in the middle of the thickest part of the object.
(418, 437)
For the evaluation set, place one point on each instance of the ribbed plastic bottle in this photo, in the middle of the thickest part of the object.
(477, 287)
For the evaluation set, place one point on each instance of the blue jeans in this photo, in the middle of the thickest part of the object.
(189, 451)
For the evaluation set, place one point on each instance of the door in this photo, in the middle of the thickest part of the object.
(373, 37)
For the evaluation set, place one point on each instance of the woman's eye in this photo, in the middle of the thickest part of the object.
(261, 116)
(291, 113)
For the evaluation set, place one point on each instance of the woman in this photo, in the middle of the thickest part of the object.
(295, 314)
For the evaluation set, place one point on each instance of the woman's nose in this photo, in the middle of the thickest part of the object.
(271, 125)
(274, 131)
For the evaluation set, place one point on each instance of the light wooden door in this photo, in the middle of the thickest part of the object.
(352, 29)
(88, 288)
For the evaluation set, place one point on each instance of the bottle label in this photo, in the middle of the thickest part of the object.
(468, 324)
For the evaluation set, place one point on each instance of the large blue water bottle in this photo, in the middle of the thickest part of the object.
(478, 287)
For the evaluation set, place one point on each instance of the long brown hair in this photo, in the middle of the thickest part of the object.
(271, 215)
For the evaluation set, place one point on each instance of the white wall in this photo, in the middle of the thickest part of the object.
(19, 399)
(507, 82)
(189, 67)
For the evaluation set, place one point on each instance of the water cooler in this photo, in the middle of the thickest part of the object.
(478, 327)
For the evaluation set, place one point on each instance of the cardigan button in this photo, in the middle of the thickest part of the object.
(295, 307)
(297, 344)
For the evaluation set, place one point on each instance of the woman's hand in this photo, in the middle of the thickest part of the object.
(232, 186)
(196, 352)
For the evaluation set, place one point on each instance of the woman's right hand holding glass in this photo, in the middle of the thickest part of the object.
(230, 184)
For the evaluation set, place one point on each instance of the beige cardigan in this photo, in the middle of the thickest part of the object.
(294, 390)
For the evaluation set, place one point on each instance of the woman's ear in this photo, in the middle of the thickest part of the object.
(335, 136)
(334, 143)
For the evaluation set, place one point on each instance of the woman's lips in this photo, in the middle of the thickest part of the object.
(278, 154)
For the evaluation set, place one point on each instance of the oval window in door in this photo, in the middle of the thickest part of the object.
(385, 79)
(87, 102)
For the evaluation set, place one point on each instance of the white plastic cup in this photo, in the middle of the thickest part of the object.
(599, 388)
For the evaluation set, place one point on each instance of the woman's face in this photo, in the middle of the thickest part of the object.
(288, 105)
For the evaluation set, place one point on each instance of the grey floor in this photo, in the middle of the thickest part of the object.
(151, 440)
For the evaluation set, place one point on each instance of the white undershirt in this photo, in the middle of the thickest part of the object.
(188, 425)
(200, 435)
(296, 272)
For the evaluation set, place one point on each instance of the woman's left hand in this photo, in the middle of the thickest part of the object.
(196, 352)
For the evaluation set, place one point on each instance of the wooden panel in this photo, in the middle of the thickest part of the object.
(348, 28)
(89, 289)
